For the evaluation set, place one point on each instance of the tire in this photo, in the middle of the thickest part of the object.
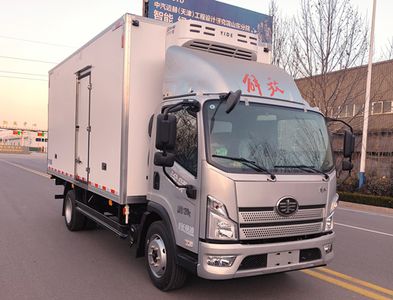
(160, 259)
(74, 220)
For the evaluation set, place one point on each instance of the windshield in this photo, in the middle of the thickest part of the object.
(278, 139)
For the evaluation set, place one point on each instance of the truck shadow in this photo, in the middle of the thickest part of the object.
(110, 250)
(265, 286)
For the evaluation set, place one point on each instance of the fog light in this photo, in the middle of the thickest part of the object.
(328, 248)
(220, 261)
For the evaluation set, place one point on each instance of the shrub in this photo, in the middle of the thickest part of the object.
(348, 184)
(381, 186)
(367, 199)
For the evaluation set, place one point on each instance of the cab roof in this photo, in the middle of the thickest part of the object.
(193, 71)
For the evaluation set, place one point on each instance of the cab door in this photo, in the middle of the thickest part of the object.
(183, 208)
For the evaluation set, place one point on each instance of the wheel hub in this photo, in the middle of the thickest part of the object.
(68, 209)
(157, 256)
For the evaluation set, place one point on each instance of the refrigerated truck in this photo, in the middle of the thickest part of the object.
(184, 140)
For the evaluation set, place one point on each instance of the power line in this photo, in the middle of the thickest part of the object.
(28, 59)
(35, 42)
(16, 77)
(21, 73)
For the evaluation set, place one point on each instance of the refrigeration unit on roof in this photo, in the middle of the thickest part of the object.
(215, 39)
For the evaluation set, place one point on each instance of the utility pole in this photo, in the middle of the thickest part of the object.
(362, 172)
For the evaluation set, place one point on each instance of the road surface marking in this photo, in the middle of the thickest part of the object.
(364, 229)
(365, 212)
(26, 169)
(345, 285)
(357, 281)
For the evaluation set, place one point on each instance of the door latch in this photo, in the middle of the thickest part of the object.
(78, 161)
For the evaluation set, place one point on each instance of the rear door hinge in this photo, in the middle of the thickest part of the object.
(88, 170)
(88, 128)
(90, 86)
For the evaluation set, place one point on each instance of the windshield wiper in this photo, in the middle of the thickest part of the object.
(305, 168)
(249, 163)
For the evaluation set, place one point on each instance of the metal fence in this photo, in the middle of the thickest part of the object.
(14, 149)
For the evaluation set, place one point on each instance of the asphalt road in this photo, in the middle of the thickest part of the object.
(41, 259)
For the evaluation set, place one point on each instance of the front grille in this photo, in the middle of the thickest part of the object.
(272, 216)
(260, 260)
(280, 231)
(261, 223)
(284, 239)
(254, 262)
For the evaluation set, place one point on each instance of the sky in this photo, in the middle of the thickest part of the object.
(62, 27)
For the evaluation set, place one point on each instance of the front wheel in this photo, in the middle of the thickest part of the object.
(160, 259)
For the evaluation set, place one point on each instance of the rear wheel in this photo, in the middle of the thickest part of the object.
(74, 220)
(160, 259)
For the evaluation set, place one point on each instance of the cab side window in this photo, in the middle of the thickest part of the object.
(186, 149)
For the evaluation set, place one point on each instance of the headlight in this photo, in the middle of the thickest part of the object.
(334, 204)
(219, 225)
(329, 223)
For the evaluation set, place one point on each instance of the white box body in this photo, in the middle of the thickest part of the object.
(124, 71)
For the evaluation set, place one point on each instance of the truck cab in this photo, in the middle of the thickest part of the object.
(252, 188)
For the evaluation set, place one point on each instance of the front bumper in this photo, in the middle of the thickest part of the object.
(242, 251)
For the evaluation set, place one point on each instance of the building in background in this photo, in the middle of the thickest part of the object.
(341, 95)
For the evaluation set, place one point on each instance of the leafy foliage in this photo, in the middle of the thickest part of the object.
(367, 199)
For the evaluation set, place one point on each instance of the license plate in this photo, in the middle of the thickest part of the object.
(284, 258)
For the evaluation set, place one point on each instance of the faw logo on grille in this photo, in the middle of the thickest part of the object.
(287, 206)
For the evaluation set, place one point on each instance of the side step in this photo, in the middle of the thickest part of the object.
(121, 230)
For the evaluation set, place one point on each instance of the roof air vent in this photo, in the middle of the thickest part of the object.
(213, 39)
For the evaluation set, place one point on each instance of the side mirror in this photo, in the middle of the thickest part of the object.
(164, 160)
(349, 144)
(232, 100)
(347, 165)
(166, 132)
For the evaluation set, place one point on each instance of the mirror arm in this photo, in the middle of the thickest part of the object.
(341, 121)
(224, 96)
(171, 108)
(190, 190)
(185, 103)
(342, 182)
